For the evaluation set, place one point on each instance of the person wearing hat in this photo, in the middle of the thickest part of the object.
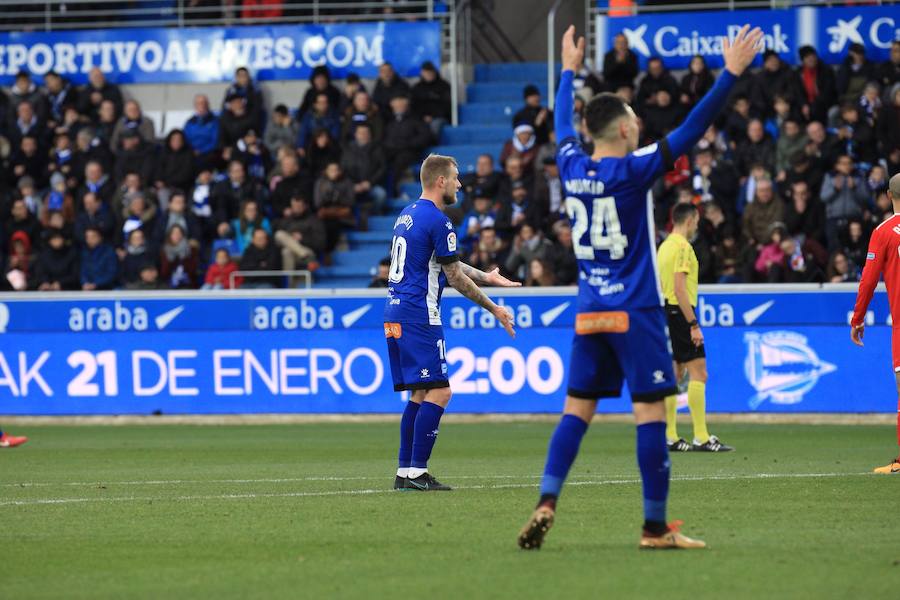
(854, 73)
(234, 123)
(539, 117)
(319, 83)
(57, 264)
(775, 79)
(818, 83)
(523, 144)
(431, 99)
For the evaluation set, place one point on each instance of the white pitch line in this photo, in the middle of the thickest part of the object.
(251, 496)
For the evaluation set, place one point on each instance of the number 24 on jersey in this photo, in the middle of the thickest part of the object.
(605, 228)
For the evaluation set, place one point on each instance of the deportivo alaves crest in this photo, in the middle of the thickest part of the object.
(782, 367)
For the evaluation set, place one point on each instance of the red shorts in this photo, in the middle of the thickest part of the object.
(895, 347)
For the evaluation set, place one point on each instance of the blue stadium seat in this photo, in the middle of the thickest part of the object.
(521, 73)
(501, 92)
(475, 134)
(489, 113)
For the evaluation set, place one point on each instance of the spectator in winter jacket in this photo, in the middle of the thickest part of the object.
(177, 213)
(565, 265)
(657, 78)
(293, 182)
(218, 275)
(528, 244)
(620, 65)
(823, 147)
(95, 93)
(791, 141)
(759, 216)
(715, 180)
(320, 116)
(99, 267)
(775, 79)
(363, 162)
(757, 149)
(737, 121)
(281, 130)
(87, 148)
(134, 120)
(28, 161)
(95, 215)
(255, 156)
(804, 215)
(539, 117)
(431, 99)
(489, 251)
(22, 219)
(57, 264)
(840, 270)
(202, 131)
(60, 95)
(23, 91)
(135, 156)
(522, 144)
(244, 87)
(661, 116)
(26, 122)
(696, 82)
(334, 203)
(845, 196)
(853, 74)
(19, 262)
(388, 86)
(362, 110)
(856, 137)
(818, 85)
(234, 123)
(352, 84)
(250, 220)
(405, 137)
(319, 83)
(476, 220)
(382, 275)
(175, 165)
(226, 197)
(519, 209)
(261, 255)
(322, 149)
(300, 235)
(135, 254)
(178, 260)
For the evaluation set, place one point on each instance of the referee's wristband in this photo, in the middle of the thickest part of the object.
(693, 324)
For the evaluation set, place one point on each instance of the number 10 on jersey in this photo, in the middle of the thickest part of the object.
(605, 228)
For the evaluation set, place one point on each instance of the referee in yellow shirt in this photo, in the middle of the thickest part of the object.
(678, 271)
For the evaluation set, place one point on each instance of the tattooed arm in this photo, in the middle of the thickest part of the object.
(463, 283)
(493, 278)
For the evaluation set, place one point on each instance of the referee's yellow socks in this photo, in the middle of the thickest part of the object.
(671, 418)
(697, 404)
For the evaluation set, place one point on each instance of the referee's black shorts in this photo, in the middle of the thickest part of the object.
(683, 349)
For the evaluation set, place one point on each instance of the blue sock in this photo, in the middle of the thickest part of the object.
(407, 424)
(653, 461)
(561, 454)
(425, 434)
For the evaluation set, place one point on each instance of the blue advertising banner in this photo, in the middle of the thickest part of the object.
(129, 353)
(677, 36)
(204, 55)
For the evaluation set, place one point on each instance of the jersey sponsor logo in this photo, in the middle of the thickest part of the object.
(602, 322)
(451, 241)
(393, 330)
(870, 256)
(782, 367)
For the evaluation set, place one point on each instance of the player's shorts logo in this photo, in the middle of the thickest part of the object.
(424, 373)
(782, 367)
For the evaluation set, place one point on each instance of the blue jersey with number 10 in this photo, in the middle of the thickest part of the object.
(611, 209)
(424, 239)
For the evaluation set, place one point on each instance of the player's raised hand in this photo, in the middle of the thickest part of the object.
(740, 52)
(496, 279)
(856, 333)
(572, 50)
(505, 316)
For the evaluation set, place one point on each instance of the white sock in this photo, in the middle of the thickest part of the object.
(402, 471)
(415, 472)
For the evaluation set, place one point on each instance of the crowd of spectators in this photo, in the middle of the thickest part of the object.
(790, 181)
(91, 199)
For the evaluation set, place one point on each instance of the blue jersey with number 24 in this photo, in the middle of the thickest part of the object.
(424, 240)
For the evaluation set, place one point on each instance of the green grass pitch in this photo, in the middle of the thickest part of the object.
(303, 511)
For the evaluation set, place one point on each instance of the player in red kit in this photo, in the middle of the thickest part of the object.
(883, 258)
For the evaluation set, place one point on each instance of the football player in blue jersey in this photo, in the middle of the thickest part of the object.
(423, 260)
(620, 328)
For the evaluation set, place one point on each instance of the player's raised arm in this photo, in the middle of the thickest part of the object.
(572, 56)
(738, 55)
(867, 284)
(463, 284)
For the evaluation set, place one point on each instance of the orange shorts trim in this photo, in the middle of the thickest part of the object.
(393, 330)
(602, 322)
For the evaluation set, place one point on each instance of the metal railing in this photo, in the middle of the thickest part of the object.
(55, 15)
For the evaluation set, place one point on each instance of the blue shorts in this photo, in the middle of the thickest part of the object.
(612, 347)
(417, 355)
